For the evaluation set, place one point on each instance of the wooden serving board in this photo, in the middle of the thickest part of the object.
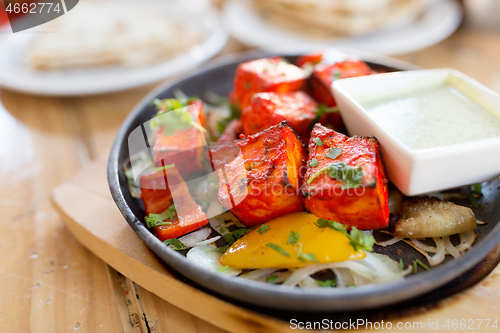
(91, 215)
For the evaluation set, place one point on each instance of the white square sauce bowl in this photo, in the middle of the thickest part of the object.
(438, 129)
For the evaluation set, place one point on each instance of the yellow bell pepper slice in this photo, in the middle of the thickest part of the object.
(273, 249)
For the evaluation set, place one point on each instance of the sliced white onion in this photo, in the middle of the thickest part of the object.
(388, 242)
(343, 276)
(440, 253)
(375, 270)
(308, 282)
(423, 246)
(205, 257)
(450, 248)
(258, 274)
(466, 240)
(205, 242)
(195, 237)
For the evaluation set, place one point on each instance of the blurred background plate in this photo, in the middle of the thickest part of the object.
(16, 74)
(439, 20)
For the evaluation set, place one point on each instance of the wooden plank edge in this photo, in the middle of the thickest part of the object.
(209, 308)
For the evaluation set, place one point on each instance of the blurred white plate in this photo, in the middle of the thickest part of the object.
(439, 21)
(16, 75)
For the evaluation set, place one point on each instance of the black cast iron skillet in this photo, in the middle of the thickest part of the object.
(217, 77)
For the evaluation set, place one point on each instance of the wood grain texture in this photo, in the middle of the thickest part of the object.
(116, 243)
(49, 282)
(44, 273)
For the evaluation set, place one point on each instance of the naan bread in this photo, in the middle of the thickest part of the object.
(109, 33)
(327, 18)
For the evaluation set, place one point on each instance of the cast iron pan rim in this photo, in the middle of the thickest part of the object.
(256, 293)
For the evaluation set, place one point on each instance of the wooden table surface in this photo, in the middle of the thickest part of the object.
(51, 283)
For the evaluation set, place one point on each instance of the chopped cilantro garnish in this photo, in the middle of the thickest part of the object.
(176, 244)
(279, 249)
(401, 264)
(333, 153)
(229, 238)
(350, 176)
(271, 278)
(172, 116)
(478, 188)
(322, 109)
(238, 233)
(165, 167)
(473, 201)
(318, 142)
(336, 74)
(357, 238)
(222, 249)
(327, 283)
(313, 163)
(223, 269)
(306, 256)
(293, 238)
(263, 228)
(421, 264)
(155, 220)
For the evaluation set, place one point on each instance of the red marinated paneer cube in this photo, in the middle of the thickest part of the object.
(265, 75)
(163, 188)
(263, 181)
(183, 147)
(345, 180)
(321, 81)
(268, 109)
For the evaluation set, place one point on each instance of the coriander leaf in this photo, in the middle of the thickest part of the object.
(279, 249)
(293, 238)
(360, 240)
(336, 74)
(327, 283)
(347, 174)
(357, 238)
(313, 163)
(221, 249)
(318, 142)
(322, 109)
(223, 269)
(238, 233)
(333, 153)
(155, 220)
(271, 278)
(172, 121)
(263, 228)
(304, 257)
(473, 201)
(324, 223)
(165, 167)
(478, 188)
(176, 244)
(421, 264)
(229, 238)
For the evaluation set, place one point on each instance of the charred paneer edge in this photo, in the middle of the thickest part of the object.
(265, 75)
(345, 180)
(263, 181)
